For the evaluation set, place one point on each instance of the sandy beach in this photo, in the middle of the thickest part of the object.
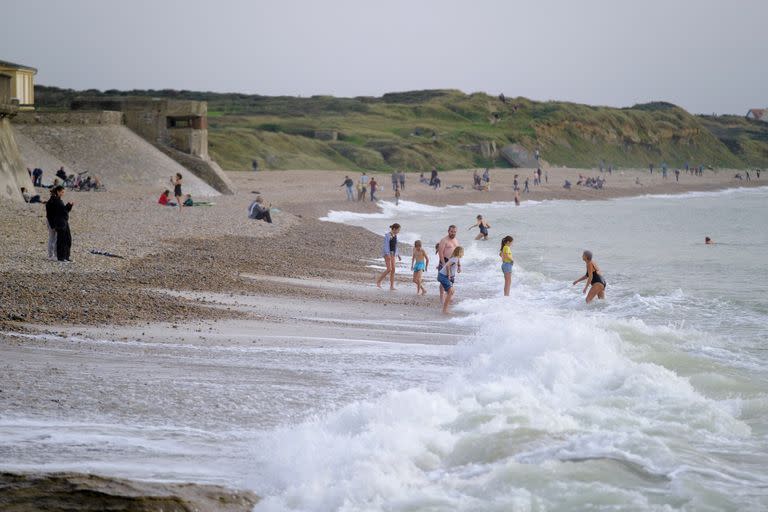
(209, 277)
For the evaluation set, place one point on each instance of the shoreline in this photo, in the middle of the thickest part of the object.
(207, 249)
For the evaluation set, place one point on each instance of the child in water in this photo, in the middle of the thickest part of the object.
(449, 270)
(506, 262)
(419, 265)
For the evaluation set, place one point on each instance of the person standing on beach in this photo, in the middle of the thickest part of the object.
(394, 180)
(51, 229)
(677, 175)
(397, 195)
(374, 184)
(506, 262)
(176, 182)
(517, 198)
(593, 278)
(59, 215)
(483, 225)
(389, 252)
(349, 184)
(447, 276)
(401, 179)
(650, 167)
(363, 187)
(444, 250)
(419, 265)
(526, 190)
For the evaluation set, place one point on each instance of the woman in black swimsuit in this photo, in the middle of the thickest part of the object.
(593, 278)
(176, 182)
(483, 225)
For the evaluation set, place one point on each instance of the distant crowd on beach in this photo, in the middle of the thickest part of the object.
(449, 253)
(81, 181)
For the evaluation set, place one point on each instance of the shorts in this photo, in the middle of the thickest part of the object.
(506, 267)
(444, 281)
(419, 266)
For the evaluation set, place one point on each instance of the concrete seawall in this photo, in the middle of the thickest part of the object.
(13, 172)
(99, 144)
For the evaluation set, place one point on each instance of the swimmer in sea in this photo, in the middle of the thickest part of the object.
(506, 262)
(389, 252)
(708, 241)
(447, 274)
(419, 265)
(484, 227)
(593, 278)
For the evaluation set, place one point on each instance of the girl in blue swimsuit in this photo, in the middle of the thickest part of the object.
(419, 265)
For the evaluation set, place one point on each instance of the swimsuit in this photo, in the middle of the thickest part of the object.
(419, 266)
(177, 190)
(390, 245)
(597, 278)
(483, 230)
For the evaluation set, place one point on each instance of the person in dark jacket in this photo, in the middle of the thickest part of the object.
(58, 217)
(258, 211)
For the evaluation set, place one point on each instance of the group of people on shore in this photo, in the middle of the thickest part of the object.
(449, 253)
(80, 182)
(368, 184)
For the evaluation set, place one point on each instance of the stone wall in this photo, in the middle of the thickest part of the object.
(13, 173)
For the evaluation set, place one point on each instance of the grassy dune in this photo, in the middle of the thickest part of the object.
(444, 128)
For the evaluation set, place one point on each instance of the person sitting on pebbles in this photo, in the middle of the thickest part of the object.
(258, 211)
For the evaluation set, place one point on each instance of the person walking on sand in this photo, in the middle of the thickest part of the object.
(176, 182)
(484, 227)
(517, 198)
(526, 189)
(389, 252)
(401, 179)
(445, 248)
(593, 278)
(419, 265)
(348, 183)
(447, 276)
(394, 180)
(59, 215)
(506, 262)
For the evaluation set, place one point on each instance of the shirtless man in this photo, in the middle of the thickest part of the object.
(445, 250)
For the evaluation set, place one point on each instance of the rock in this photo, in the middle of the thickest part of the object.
(75, 491)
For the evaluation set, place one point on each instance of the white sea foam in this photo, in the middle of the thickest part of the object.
(551, 394)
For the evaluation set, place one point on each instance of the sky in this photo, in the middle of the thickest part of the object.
(708, 56)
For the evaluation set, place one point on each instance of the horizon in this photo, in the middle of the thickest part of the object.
(700, 55)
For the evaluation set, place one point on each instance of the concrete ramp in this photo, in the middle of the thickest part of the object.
(114, 153)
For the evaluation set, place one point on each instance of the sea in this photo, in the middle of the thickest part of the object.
(655, 398)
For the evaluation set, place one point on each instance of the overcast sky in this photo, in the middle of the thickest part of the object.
(705, 55)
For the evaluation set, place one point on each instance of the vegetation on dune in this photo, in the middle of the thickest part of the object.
(417, 130)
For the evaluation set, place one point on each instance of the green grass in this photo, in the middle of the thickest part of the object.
(395, 131)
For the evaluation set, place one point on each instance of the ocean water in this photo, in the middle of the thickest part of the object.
(654, 399)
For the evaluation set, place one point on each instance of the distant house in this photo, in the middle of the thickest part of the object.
(17, 82)
(758, 114)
